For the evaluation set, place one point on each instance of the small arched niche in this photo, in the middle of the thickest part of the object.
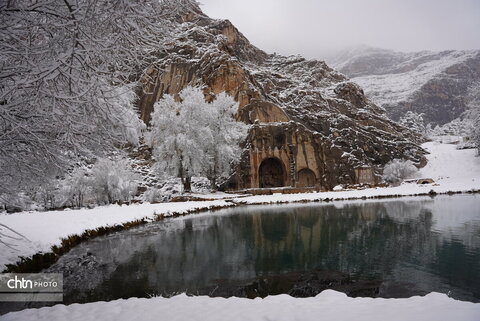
(306, 178)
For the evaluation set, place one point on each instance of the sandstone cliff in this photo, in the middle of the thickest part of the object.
(311, 126)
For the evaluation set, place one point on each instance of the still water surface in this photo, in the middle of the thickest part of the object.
(413, 246)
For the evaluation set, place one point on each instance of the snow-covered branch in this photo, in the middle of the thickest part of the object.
(68, 70)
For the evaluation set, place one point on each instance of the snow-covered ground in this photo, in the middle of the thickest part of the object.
(328, 305)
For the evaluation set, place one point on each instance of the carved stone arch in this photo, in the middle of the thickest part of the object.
(306, 178)
(271, 173)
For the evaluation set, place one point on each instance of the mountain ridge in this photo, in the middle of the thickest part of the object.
(433, 83)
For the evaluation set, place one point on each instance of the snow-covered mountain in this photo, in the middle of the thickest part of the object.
(433, 83)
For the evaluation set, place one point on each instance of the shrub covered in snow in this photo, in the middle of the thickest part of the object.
(113, 181)
(46, 195)
(106, 182)
(76, 189)
(397, 170)
(153, 195)
(16, 203)
(476, 137)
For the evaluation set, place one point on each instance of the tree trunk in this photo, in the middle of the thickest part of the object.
(187, 185)
(213, 176)
(183, 174)
(213, 184)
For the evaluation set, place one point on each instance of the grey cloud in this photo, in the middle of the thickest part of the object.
(313, 28)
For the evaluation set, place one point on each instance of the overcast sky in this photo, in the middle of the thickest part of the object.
(314, 27)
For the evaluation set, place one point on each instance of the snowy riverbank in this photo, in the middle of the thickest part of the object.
(452, 170)
(42, 230)
(328, 305)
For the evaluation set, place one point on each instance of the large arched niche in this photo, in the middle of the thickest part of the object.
(306, 178)
(271, 173)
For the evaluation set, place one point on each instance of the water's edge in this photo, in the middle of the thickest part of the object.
(40, 261)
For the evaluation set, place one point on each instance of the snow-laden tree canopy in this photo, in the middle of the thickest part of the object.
(227, 135)
(67, 74)
(474, 112)
(194, 138)
(414, 121)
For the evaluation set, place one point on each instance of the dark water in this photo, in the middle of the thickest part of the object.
(413, 246)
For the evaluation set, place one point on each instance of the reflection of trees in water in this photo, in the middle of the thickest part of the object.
(367, 239)
(362, 239)
(405, 211)
(306, 219)
(274, 229)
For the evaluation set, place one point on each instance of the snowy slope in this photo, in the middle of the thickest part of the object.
(434, 83)
(328, 305)
(394, 87)
(447, 164)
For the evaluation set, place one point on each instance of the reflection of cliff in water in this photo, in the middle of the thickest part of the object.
(373, 239)
(360, 239)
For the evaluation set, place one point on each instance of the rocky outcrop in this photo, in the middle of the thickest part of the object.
(433, 83)
(310, 124)
(261, 111)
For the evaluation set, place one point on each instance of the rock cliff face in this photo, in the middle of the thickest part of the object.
(311, 126)
(433, 83)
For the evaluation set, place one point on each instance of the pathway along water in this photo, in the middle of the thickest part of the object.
(408, 246)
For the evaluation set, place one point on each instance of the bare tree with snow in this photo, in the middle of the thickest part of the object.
(67, 79)
(228, 134)
(195, 138)
(180, 134)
